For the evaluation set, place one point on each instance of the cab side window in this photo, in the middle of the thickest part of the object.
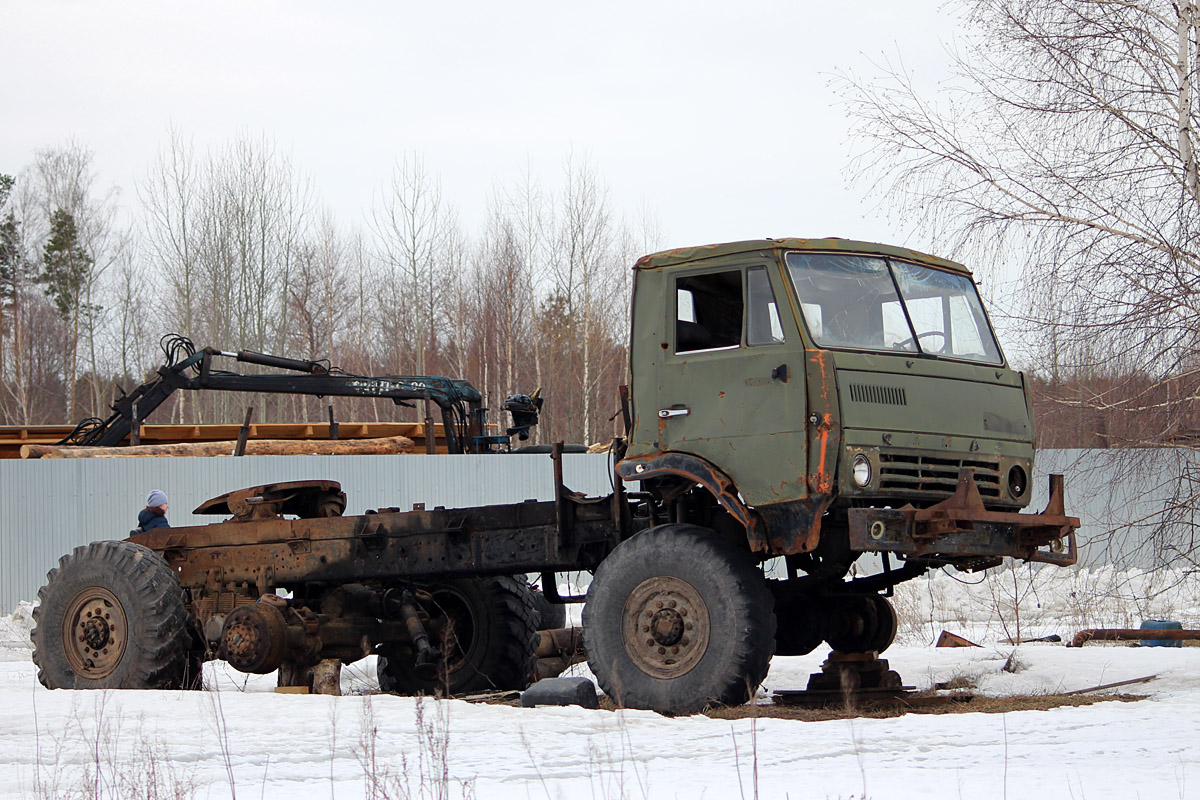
(763, 325)
(709, 310)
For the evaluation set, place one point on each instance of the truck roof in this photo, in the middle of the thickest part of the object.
(683, 255)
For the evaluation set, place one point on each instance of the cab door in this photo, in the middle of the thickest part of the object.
(731, 386)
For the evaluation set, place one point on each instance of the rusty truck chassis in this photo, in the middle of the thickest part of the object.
(358, 581)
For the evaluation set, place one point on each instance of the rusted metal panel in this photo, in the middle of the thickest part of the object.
(92, 500)
(491, 540)
(775, 529)
(697, 469)
(948, 639)
(794, 527)
(357, 576)
(962, 528)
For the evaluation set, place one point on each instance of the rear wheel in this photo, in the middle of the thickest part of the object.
(886, 623)
(678, 619)
(111, 616)
(868, 625)
(798, 622)
(486, 630)
(550, 615)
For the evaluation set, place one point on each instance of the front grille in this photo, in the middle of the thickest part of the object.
(938, 475)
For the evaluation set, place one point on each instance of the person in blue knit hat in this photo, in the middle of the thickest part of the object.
(154, 515)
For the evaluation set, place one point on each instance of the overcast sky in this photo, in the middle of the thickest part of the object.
(717, 116)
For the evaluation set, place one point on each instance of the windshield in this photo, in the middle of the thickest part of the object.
(873, 303)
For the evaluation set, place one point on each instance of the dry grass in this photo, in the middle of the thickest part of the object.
(921, 703)
(915, 703)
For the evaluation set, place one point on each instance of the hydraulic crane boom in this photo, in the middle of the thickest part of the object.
(463, 414)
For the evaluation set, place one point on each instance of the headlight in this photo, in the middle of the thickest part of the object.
(1018, 482)
(861, 470)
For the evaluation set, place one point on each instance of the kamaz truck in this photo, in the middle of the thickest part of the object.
(792, 405)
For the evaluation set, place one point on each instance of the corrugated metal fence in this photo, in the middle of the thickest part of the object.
(50, 506)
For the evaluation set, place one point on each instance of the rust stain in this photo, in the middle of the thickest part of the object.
(821, 481)
(820, 359)
(696, 469)
(814, 535)
(962, 526)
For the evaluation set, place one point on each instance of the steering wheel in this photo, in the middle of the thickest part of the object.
(920, 336)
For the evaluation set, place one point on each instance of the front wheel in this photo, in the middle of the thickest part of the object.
(678, 619)
(111, 616)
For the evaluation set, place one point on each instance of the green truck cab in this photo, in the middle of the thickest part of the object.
(808, 401)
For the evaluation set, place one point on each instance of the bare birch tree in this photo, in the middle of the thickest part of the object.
(172, 225)
(412, 224)
(528, 205)
(503, 307)
(588, 279)
(460, 307)
(319, 293)
(1067, 144)
(133, 327)
(318, 301)
(227, 229)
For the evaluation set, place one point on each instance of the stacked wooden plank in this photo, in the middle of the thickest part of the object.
(14, 437)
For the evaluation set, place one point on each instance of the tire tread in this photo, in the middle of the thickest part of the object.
(510, 618)
(159, 644)
(753, 643)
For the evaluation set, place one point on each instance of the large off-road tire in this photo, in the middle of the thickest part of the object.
(486, 629)
(872, 626)
(798, 627)
(887, 623)
(111, 616)
(550, 615)
(678, 619)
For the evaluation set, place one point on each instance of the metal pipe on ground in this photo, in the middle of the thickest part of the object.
(1130, 634)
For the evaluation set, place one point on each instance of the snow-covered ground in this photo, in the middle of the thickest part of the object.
(246, 741)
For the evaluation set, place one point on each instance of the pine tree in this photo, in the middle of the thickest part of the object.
(66, 270)
(11, 263)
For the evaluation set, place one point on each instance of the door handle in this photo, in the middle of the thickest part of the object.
(667, 413)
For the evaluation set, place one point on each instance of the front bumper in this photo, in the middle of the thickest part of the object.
(961, 530)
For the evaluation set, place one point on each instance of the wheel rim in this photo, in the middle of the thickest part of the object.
(665, 627)
(94, 633)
